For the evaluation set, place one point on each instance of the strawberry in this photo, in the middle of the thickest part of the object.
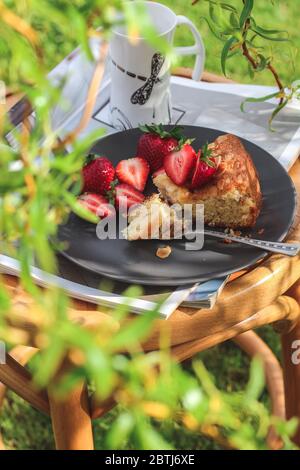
(97, 204)
(206, 167)
(179, 163)
(127, 195)
(98, 174)
(133, 171)
(156, 143)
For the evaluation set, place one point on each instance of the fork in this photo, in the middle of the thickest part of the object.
(289, 249)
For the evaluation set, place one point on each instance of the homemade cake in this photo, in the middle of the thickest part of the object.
(232, 198)
(153, 219)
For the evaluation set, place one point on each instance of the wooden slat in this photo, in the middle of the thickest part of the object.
(209, 77)
(283, 308)
(18, 379)
(21, 354)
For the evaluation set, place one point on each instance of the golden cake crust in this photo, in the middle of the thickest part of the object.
(235, 185)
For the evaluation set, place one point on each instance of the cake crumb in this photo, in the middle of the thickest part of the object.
(261, 231)
(235, 233)
(232, 233)
(163, 252)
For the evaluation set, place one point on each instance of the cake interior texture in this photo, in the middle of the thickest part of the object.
(232, 198)
(153, 219)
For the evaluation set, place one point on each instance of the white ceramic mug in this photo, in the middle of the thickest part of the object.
(140, 76)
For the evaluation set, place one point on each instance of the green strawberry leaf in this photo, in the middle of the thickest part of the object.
(111, 193)
(182, 142)
(205, 156)
(158, 129)
(90, 158)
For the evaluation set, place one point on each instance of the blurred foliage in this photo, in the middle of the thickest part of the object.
(277, 14)
(38, 185)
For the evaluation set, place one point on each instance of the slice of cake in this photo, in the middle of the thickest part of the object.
(232, 198)
(153, 219)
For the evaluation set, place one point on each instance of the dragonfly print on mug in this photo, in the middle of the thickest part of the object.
(142, 95)
(140, 75)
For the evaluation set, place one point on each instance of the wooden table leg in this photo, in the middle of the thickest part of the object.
(71, 421)
(291, 366)
(22, 354)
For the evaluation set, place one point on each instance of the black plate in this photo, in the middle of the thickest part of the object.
(135, 262)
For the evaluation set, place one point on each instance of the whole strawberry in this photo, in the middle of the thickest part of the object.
(98, 174)
(205, 168)
(156, 143)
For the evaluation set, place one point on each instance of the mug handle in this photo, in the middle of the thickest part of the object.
(197, 49)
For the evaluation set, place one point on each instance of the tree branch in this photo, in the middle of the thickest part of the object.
(254, 64)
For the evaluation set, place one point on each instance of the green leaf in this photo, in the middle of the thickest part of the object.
(248, 7)
(286, 427)
(79, 23)
(226, 49)
(11, 181)
(277, 111)
(120, 431)
(78, 209)
(227, 6)
(212, 28)
(133, 333)
(69, 381)
(212, 15)
(258, 100)
(47, 362)
(270, 38)
(263, 63)
(5, 300)
(215, 13)
(251, 71)
(149, 438)
(80, 146)
(257, 379)
(234, 20)
(98, 364)
(267, 31)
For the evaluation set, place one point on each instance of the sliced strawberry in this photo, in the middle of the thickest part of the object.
(179, 164)
(97, 204)
(133, 171)
(127, 196)
(161, 171)
(205, 168)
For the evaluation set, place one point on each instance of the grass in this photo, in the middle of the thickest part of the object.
(24, 428)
